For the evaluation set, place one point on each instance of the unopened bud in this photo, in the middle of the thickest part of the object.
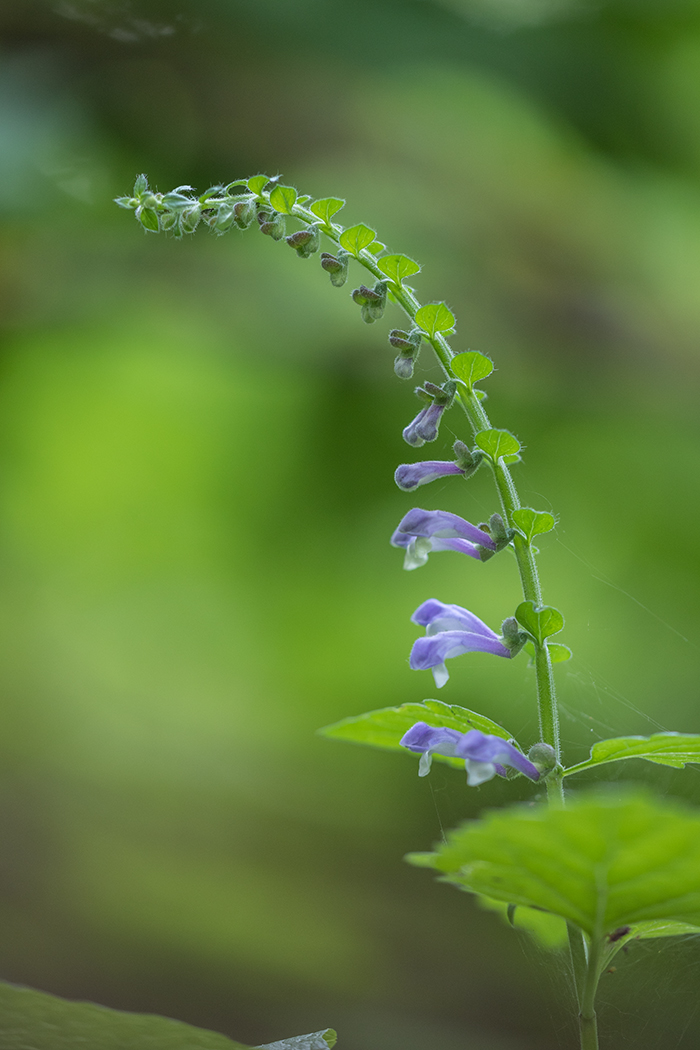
(273, 225)
(543, 757)
(336, 266)
(500, 532)
(243, 214)
(305, 242)
(513, 638)
(467, 460)
(372, 301)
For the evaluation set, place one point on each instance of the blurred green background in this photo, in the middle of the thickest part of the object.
(197, 443)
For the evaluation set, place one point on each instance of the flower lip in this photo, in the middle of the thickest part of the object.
(450, 631)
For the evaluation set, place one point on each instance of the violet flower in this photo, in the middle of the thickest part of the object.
(423, 531)
(425, 426)
(450, 631)
(410, 475)
(484, 755)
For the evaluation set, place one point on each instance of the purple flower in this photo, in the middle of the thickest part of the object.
(410, 475)
(450, 631)
(484, 755)
(423, 531)
(425, 426)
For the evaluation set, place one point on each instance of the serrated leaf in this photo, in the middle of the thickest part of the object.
(385, 728)
(497, 443)
(532, 522)
(602, 862)
(44, 1022)
(471, 367)
(665, 749)
(283, 199)
(315, 1041)
(539, 621)
(326, 208)
(434, 318)
(257, 183)
(356, 238)
(396, 267)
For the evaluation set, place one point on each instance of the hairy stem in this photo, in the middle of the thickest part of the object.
(588, 1022)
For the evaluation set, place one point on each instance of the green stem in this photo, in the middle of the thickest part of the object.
(588, 1022)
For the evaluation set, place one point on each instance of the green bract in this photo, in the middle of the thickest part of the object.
(471, 367)
(497, 443)
(601, 863)
(398, 266)
(539, 621)
(283, 199)
(435, 318)
(356, 238)
(385, 728)
(532, 522)
(325, 209)
(257, 183)
(666, 749)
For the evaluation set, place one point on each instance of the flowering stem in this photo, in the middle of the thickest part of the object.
(588, 1022)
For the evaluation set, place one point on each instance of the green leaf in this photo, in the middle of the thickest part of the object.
(356, 238)
(398, 266)
(665, 749)
(434, 318)
(661, 928)
(44, 1022)
(283, 199)
(325, 209)
(532, 522)
(384, 728)
(497, 443)
(141, 185)
(257, 183)
(471, 367)
(601, 863)
(539, 621)
(376, 247)
(558, 653)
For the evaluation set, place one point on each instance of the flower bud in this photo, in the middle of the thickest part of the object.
(543, 757)
(190, 218)
(513, 638)
(243, 214)
(336, 266)
(305, 242)
(501, 534)
(372, 301)
(466, 459)
(272, 224)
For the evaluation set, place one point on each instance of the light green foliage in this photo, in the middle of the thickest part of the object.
(435, 318)
(326, 208)
(600, 863)
(471, 367)
(666, 749)
(356, 238)
(532, 522)
(558, 653)
(539, 621)
(497, 443)
(257, 183)
(283, 199)
(384, 728)
(661, 928)
(397, 267)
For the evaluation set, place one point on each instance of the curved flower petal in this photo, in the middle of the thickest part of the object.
(437, 616)
(481, 747)
(441, 524)
(484, 755)
(410, 475)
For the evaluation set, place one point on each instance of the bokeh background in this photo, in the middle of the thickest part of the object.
(197, 443)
